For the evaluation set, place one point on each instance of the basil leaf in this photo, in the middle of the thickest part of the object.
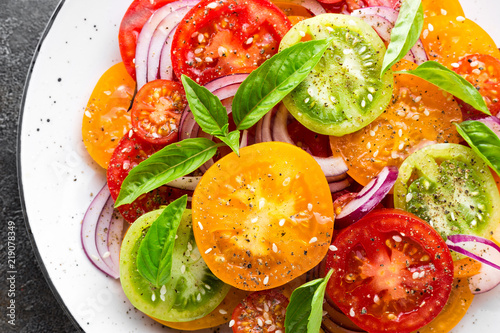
(154, 258)
(207, 109)
(405, 33)
(173, 161)
(273, 80)
(483, 141)
(305, 310)
(232, 140)
(451, 82)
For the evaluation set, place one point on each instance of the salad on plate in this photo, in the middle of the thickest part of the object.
(298, 166)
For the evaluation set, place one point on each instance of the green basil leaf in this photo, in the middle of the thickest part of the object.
(154, 258)
(232, 140)
(207, 109)
(305, 310)
(173, 161)
(483, 141)
(451, 82)
(273, 80)
(405, 33)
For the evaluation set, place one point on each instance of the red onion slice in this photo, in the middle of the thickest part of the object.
(166, 71)
(339, 185)
(369, 197)
(89, 232)
(382, 20)
(115, 234)
(244, 139)
(493, 123)
(102, 235)
(486, 252)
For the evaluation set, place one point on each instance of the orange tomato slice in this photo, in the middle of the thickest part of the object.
(263, 218)
(106, 118)
(449, 8)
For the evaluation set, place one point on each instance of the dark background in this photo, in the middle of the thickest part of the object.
(22, 23)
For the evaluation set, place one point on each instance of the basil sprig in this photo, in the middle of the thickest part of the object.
(154, 258)
(262, 89)
(483, 141)
(405, 33)
(274, 79)
(451, 82)
(209, 113)
(305, 310)
(173, 161)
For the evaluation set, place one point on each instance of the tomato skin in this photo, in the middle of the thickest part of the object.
(215, 41)
(483, 71)
(129, 153)
(314, 143)
(131, 25)
(157, 110)
(264, 306)
(375, 265)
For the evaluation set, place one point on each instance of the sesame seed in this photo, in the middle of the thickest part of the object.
(313, 240)
(212, 5)
(222, 311)
(271, 328)
(255, 219)
(401, 145)
(443, 11)
(375, 153)
(452, 216)
(309, 206)
(460, 18)
(376, 299)
(198, 59)
(208, 250)
(198, 50)
(333, 99)
(329, 29)
(163, 290)
(476, 71)
(222, 51)
(422, 274)
(431, 27)
(208, 59)
(418, 99)
(286, 182)
(281, 222)
(425, 33)
(347, 51)
(183, 269)
(397, 239)
(409, 196)
(370, 97)
(268, 322)
(231, 323)
(400, 132)
(414, 275)
(130, 133)
(363, 103)
(333, 248)
(351, 312)
(302, 33)
(473, 223)
(200, 38)
(87, 113)
(106, 254)
(153, 297)
(266, 280)
(260, 322)
(368, 145)
(94, 257)
(275, 248)
(200, 225)
(372, 133)
(415, 117)
(262, 202)
(306, 100)
(455, 65)
(474, 64)
(394, 155)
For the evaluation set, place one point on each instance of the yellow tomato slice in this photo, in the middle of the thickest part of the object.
(263, 218)
(447, 39)
(449, 8)
(458, 303)
(106, 118)
(220, 315)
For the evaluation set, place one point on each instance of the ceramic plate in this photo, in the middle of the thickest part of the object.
(59, 179)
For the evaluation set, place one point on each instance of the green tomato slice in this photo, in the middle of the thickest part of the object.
(343, 93)
(192, 291)
(451, 188)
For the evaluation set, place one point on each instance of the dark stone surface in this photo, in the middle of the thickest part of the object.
(22, 23)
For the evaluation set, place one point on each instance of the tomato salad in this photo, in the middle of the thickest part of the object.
(298, 166)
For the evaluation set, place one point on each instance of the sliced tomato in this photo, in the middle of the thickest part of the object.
(262, 311)
(393, 272)
(419, 114)
(483, 71)
(129, 153)
(343, 92)
(106, 118)
(357, 4)
(446, 40)
(157, 110)
(292, 9)
(218, 37)
(263, 218)
(448, 8)
(134, 19)
(314, 143)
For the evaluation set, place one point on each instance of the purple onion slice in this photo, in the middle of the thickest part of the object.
(369, 197)
(486, 252)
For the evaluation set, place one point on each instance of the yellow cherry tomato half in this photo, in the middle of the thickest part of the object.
(106, 118)
(263, 218)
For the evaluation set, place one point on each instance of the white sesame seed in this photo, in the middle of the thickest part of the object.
(409, 196)
(212, 5)
(271, 328)
(260, 322)
(363, 103)
(200, 38)
(397, 239)
(460, 18)
(306, 100)
(222, 51)
(309, 206)
(347, 51)
(376, 299)
(372, 133)
(443, 11)
(130, 133)
(313, 240)
(163, 290)
(431, 27)
(474, 64)
(333, 99)
(351, 312)
(375, 153)
(286, 182)
(268, 322)
(455, 65)
(452, 216)
(231, 323)
(302, 33)
(106, 254)
(281, 222)
(415, 117)
(329, 29)
(370, 97)
(473, 223)
(422, 274)
(255, 219)
(425, 33)
(198, 50)
(222, 311)
(394, 155)
(208, 59)
(275, 248)
(153, 296)
(266, 280)
(418, 99)
(208, 250)
(249, 40)
(207, 287)
(400, 132)
(183, 269)
(401, 145)
(333, 248)
(198, 59)
(476, 71)
(415, 275)
(262, 202)
(279, 331)
(94, 257)
(200, 225)
(87, 113)
(426, 112)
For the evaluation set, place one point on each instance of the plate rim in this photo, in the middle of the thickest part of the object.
(20, 187)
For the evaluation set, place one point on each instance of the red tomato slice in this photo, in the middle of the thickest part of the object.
(393, 272)
(129, 153)
(135, 17)
(483, 71)
(357, 4)
(262, 311)
(217, 38)
(314, 143)
(157, 110)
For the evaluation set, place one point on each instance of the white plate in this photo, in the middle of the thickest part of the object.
(58, 176)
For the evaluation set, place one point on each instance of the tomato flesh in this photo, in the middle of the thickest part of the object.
(262, 311)
(218, 38)
(263, 218)
(157, 110)
(393, 272)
